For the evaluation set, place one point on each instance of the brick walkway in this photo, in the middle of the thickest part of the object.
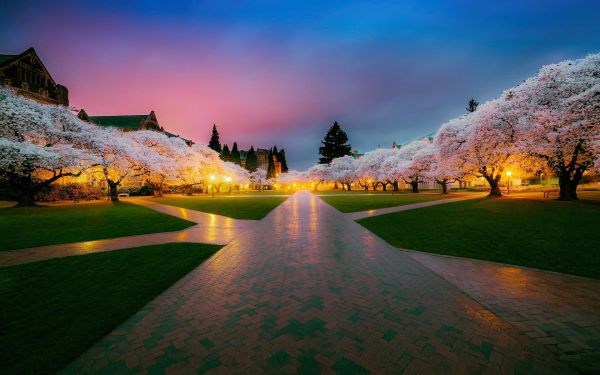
(308, 290)
(559, 311)
(210, 228)
(388, 210)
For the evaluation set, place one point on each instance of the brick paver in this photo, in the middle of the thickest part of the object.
(308, 291)
(559, 311)
(209, 228)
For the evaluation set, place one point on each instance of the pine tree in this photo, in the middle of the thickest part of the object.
(334, 145)
(235, 154)
(281, 158)
(251, 160)
(214, 143)
(271, 164)
(472, 105)
(226, 155)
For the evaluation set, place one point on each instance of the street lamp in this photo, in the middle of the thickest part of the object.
(228, 180)
(212, 178)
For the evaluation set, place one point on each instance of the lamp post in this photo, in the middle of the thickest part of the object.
(212, 178)
(508, 174)
(228, 180)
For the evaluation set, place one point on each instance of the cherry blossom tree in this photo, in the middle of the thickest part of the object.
(317, 174)
(418, 156)
(258, 177)
(40, 144)
(368, 168)
(159, 158)
(343, 170)
(561, 119)
(119, 157)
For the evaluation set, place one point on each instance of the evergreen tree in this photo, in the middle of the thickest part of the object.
(226, 155)
(251, 160)
(235, 154)
(281, 158)
(472, 105)
(214, 143)
(334, 145)
(271, 164)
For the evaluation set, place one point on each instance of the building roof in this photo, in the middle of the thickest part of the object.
(171, 135)
(6, 58)
(128, 121)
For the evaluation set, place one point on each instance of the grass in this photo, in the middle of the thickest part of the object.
(354, 203)
(48, 225)
(237, 207)
(52, 311)
(264, 192)
(551, 235)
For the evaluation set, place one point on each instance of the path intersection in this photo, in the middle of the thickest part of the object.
(308, 290)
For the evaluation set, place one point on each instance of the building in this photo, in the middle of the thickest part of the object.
(262, 156)
(129, 123)
(29, 77)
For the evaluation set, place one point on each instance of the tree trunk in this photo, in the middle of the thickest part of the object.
(383, 186)
(568, 187)
(26, 198)
(348, 187)
(112, 187)
(415, 186)
(444, 187)
(494, 183)
(395, 185)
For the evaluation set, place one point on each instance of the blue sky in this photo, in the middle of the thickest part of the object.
(280, 72)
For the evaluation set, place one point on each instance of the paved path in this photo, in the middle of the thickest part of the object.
(406, 207)
(310, 290)
(210, 228)
(559, 311)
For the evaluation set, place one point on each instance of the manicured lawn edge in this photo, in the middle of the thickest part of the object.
(54, 310)
(235, 207)
(357, 203)
(547, 235)
(24, 227)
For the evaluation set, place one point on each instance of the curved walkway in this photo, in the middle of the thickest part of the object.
(209, 228)
(559, 311)
(309, 290)
(388, 210)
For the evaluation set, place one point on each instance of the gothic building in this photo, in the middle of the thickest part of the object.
(29, 77)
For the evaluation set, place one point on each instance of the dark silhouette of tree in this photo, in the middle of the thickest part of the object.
(251, 160)
(226, 154)
(472, 105)
(334, 144)
(271, 163)
(235, 154)
(214, 143)
(281, 158)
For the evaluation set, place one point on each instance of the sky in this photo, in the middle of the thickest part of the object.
(281, 72)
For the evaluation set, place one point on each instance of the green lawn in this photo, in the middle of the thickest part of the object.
(47, 225)
(235, 206)
(356, 202)
(551, 235)
(52, 311)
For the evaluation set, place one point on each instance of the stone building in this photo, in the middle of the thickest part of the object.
(29, 77)
(262, 156)
(129, 123)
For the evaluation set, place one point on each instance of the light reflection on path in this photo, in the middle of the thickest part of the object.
(209, 229)
(309, 287)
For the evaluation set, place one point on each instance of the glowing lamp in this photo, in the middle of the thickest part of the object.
(508, 173)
